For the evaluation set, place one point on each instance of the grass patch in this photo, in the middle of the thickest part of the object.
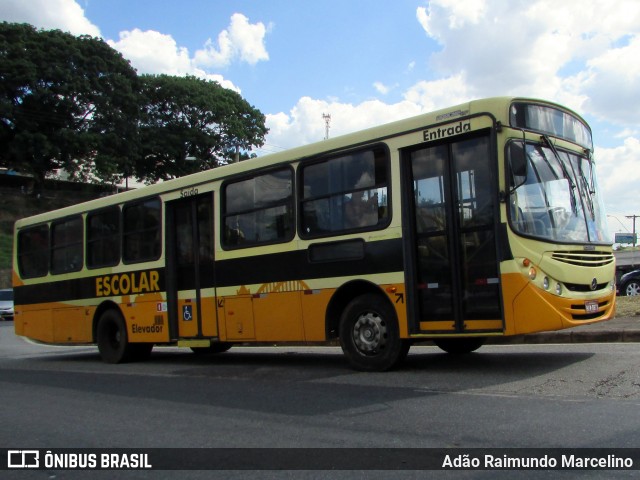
(628, 306)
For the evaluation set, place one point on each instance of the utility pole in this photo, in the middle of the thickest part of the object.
(633, 255)
(327, 121)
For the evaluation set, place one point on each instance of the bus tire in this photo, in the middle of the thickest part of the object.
(218, 347)
(113, 342)
(370, 336)
(460, 346)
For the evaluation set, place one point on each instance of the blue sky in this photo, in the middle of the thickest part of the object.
(318, 49)
(369, 62)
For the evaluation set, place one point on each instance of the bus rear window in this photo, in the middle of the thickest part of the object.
(33, 251)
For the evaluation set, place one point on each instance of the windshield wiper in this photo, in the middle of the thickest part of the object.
(588, 185)
(565, 174)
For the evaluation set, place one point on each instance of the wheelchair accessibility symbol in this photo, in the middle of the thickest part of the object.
(187, 313)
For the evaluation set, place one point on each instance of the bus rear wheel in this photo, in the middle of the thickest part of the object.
(460, 346)
(113, 342)
(370, 336)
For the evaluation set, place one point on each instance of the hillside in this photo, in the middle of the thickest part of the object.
(18, 201)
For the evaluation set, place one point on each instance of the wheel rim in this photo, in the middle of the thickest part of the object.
(633, 289)
(114, 336)
(370, 333)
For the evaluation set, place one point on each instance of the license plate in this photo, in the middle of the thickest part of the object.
(591, 306)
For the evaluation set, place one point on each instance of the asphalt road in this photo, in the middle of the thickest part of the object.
(552, 396)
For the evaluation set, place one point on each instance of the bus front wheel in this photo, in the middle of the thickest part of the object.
(112, 338)
(370, 336)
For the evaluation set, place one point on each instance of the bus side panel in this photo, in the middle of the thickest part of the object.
(512, 285)
(278, 317)
(314, 308)
(54, 323)
(187, 317)
(34, 322)
(238, 315)
(146, 318)
(209, 316)
(72, 325)
(397, 296)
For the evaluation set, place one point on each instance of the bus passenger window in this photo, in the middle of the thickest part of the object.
(141, 231)
(103, 238)
(259, 210)
(345, 193)
(66, 245)
(362, 210)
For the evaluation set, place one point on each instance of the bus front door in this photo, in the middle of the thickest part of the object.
(190, 268)
(452, 266)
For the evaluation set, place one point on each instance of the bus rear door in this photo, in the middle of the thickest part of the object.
(191, 298)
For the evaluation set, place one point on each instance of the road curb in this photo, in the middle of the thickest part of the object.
(620, 330)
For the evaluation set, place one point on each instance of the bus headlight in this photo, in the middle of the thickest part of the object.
(532, 273)
(558, 289)
(545, 283)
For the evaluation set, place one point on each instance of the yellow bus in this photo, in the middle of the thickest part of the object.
(480, 220)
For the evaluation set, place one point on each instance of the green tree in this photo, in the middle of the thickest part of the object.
(190, 124)
(65, 102)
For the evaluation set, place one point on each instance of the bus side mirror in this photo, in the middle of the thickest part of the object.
(517, 164)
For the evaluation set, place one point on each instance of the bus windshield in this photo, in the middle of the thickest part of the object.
(554, 195)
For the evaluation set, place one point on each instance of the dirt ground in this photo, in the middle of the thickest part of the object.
(628, 306)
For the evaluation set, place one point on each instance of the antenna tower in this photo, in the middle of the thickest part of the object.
(327, 121)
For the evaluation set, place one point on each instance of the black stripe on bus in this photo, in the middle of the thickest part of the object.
(378, 257)
(86, 287)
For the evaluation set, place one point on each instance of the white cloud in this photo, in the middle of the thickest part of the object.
(611, 83)
(383, 89)
(153, 52)
(150, 51)
(457, 13)
(582, 55)
(304, 123)
(242, 40)
(627, 132)
(157, 53)
(65, 15)
(620, 176)
(526, 48)
(435, 94)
